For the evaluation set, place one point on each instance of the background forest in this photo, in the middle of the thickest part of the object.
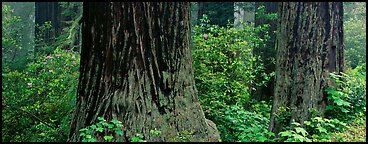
(233, 49)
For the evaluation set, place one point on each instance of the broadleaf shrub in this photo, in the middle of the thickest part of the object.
(348, 96)
(226, 70)
(38, 102)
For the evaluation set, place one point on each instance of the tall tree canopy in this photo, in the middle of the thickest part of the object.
(136, 67)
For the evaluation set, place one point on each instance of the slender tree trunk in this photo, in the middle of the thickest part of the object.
(309, 47)
(136, 67)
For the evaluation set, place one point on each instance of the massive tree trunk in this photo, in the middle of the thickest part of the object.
(136, 67)
(309, 46)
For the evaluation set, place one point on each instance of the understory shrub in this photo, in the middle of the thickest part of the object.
(38, 102)
(347, 103)
(225, 68)
(348, 96)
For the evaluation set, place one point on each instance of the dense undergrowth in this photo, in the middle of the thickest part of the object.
(38, 99)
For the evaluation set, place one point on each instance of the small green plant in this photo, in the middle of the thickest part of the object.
(244, 126)
(137, 138)
(298, 134)
(183, 136)
(140, 138)
(283, 115)
(261, 108)
(348, 96)
(319, 125)
(317, 129)
(89, 132)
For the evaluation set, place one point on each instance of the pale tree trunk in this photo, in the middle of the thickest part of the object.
(243, 12)
(136, 67)
(309, 46)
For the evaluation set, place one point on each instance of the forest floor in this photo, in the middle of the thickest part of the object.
(356, 132)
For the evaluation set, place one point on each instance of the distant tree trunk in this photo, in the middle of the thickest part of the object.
(44, 12)
(136, 67)
(267, 52)
(218, 12)
(194, 13)
(243, 12)
(309, 46)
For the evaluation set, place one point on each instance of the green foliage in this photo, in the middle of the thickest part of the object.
(38, 102)
(219, 13)
(71, 35)
(137, 138)
(348, 97)
(109, 129)
(297, 134)
(283, 115)
(263, 108)
(11, 41)
(42, 47)
(355, 33)
(355, 132)
(183, 136)
(244, 126)
(106, 131)
(318, 129)
(320, 125)
(224, 65)
(226, 71)
(261, 13)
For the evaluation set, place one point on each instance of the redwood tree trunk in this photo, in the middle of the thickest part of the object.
(136, 67)
(48, 11)
(309, 46)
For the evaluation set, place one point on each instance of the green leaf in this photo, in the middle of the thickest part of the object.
(108, 138)
(295, 123)
(82, 134)
(152, 131)
(115, 121)
(99, 129)
(88, 136)
(307, 123)
(110, 126)
(93, 126)
(119, 132)
(92, 140)
(299, 137)
(322, 130)
(262, 139)
(83, 129)
(301, 130)
(286, 133)
(100, 118)
(118, 125)
(343, 110)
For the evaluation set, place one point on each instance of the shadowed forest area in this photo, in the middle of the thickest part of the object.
(184, 72)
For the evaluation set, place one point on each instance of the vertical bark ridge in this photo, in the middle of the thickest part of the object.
(136, 67)
(305, 46)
